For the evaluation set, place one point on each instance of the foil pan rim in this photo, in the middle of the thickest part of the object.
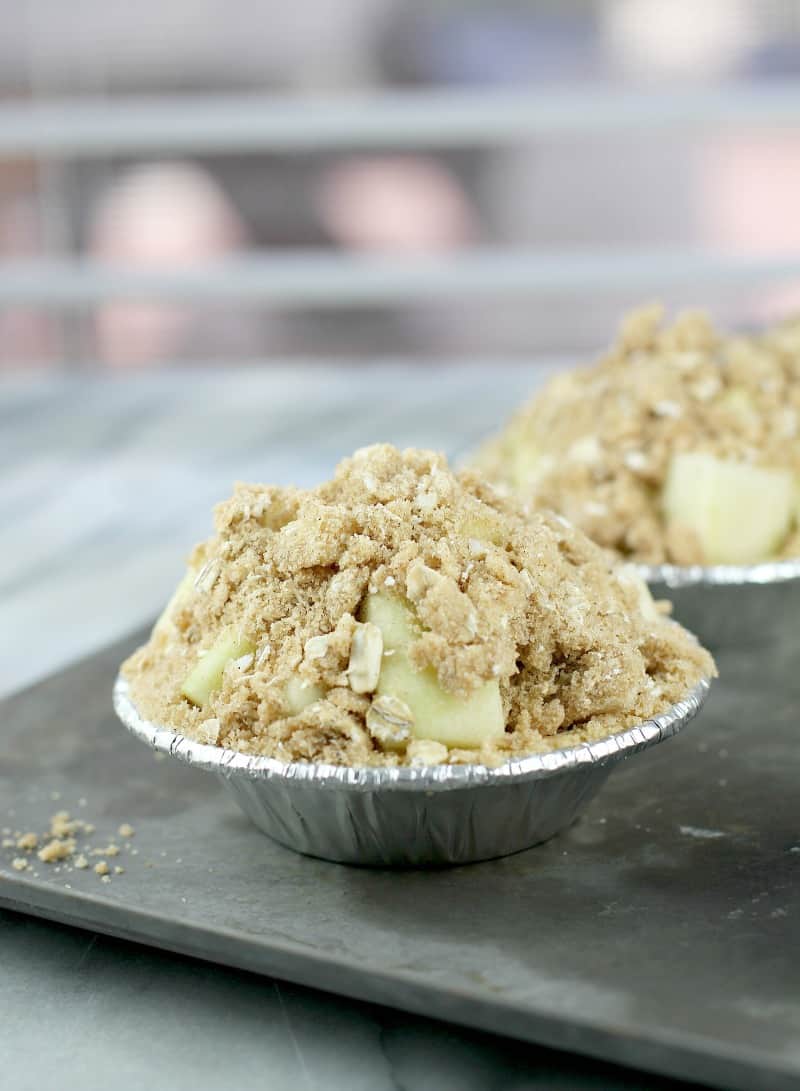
(721, 575)
(436, 778)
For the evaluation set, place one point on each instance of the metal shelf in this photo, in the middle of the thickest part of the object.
(236, 123)
(325, 280)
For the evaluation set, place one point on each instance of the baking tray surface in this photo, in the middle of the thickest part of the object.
(660, 931)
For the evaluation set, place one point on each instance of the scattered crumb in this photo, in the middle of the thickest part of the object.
(101, 868)
(126, 830)
(56, 850)
(119, 870)
(61, 825)
(59, 844)
(105, 878)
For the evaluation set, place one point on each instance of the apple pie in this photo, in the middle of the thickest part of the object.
(404, 614)
(679, 446)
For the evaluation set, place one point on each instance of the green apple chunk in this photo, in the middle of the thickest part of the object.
(523, 465)
(738, 512)
(206, 675)
(483, 525)
(455, 721)
(395, 617)
(736, 400)
(164, 623)
(299, 695)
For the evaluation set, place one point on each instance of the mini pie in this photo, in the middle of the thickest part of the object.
(680, 445)
(404, 614)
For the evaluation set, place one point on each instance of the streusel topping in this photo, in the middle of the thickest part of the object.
(501, 603)
(596, 443)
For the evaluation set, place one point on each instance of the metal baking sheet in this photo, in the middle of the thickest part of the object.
(661, 931)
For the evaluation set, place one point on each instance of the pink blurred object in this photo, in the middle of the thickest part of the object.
(395, 203)
(159, 216)
(748, 193)
(28, 335)
(747, 196)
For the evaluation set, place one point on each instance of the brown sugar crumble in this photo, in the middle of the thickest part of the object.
(56, 850)
(58, 845)
(595, 444)
(61, 825)
(575, 648)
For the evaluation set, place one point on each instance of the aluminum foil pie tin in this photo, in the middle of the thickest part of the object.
(728, 606)
(413, 817)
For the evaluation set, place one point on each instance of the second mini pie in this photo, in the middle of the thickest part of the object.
(680, 445)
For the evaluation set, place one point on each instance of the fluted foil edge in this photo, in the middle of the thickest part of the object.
(437, 778)
(720, 575)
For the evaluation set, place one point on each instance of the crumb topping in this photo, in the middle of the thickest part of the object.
(595, 444)
(58, 845)
(577, 649)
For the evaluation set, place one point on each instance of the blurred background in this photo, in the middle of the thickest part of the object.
(239, 239)
(233, 236)
(209, 182)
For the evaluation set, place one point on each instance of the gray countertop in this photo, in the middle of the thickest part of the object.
(105, 484)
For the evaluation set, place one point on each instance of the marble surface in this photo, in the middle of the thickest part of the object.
(104, 486)
(102, 1013)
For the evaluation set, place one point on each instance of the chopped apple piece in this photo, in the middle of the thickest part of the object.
(437, 714)
(300, 695)
(206, 675)
(164, 623)
(738, 513)
(736, 400)
(523, 465)
(484, 524)
(394, 616)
